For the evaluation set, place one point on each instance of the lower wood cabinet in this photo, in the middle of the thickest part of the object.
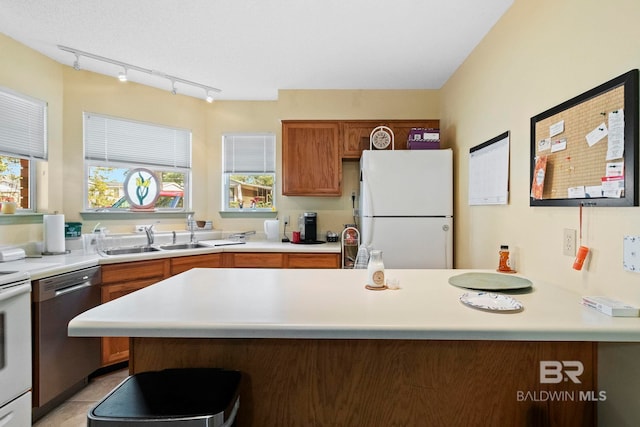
(280, 260)
(121, 279)
(184, 263)
(124, 278)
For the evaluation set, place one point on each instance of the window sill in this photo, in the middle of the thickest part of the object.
(249, 213)
(111, 215)
(21, 218)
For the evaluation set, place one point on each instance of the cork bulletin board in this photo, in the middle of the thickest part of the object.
(585, 150)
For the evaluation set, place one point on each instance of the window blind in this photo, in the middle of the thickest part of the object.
(23, 125)
(249, 153)
(111, 139)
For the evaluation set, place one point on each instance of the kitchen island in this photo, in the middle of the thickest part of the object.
(317, 348)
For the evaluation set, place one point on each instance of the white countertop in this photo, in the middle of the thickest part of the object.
(51, 265)
(264, 303)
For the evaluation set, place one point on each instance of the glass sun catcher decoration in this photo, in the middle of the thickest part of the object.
(141, 189)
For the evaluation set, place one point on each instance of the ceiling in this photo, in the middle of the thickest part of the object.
(250, 49)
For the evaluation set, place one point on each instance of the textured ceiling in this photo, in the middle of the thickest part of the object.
(251, 48)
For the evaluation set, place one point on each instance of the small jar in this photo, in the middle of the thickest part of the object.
(375, 270)
(504, 264)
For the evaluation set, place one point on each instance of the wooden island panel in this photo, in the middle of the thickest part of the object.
(322, 382)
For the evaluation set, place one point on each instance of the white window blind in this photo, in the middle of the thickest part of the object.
(111, 139)
(249, 153)
(23, 125)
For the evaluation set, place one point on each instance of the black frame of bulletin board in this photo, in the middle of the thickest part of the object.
(588, 102)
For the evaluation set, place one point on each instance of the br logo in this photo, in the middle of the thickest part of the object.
(556, 371)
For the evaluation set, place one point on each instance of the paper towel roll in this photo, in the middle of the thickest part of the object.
(53, 233)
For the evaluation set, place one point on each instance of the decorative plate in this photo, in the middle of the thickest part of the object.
(491, 302)
(381, 137)
(489, 281)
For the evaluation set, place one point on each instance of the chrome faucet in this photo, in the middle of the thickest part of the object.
(190, 223)
(150, 236)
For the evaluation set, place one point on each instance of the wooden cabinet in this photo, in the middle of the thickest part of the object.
(356, 133)
(184, 263)
(121, 279)
(311, 158)
(280, 260)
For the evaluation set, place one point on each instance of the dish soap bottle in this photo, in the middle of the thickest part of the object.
(375, 270)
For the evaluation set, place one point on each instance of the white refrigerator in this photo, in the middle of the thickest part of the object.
(406, 206)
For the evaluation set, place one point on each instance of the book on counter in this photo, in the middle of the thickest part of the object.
(610, 306)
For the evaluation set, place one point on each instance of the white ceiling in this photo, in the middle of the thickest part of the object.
(251, 48)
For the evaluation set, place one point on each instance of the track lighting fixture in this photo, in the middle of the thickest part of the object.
(123, 75)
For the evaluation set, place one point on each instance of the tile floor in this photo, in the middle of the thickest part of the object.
(73, 412)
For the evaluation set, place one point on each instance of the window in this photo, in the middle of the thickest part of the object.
(249, 164)
(113, 146)
(23, 140)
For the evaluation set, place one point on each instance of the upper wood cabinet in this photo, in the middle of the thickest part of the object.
(356, 134)
(311, 158)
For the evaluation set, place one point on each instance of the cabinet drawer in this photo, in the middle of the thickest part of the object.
(180, 264)
(313, 261)
(137, 270)
(257, 260)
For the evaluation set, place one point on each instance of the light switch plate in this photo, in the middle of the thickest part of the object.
(631, 253)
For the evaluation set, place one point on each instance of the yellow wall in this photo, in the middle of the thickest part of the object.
(70, 93)
(541, 53)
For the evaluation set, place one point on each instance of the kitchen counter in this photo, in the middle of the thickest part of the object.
(317, 348)
(235, 303)
(51, 265)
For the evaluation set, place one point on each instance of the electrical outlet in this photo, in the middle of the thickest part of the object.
(286, 220)
(569, 242)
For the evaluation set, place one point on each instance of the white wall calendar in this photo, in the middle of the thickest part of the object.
(489, 172)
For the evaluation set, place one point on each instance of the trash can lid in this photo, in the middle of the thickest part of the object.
(171, 393)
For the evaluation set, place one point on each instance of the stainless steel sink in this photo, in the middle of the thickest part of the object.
(130, 250)
(183, 246)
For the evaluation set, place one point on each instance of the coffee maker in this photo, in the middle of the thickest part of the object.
(309, 227)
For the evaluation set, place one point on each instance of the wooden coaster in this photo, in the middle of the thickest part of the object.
(375, 288)
(507, 272)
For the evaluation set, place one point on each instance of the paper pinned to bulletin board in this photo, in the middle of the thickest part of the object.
(583, 149)
(489, 172)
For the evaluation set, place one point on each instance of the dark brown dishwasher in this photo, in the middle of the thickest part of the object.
(62, 364)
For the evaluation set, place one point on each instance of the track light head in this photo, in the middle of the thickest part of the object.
(173, 87)
(76, 63)
(209, 97)
(122, 76)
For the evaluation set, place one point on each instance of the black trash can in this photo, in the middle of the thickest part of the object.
(190, 397)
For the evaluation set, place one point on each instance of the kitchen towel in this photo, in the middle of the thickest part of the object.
(53, 234)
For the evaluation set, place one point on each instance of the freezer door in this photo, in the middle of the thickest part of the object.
(411, 242)
(406, 183)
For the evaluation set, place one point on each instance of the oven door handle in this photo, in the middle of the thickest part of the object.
(12, 291)
(73, 288)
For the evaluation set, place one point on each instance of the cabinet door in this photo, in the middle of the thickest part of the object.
(184, 263)
(311, 158)
(356, 134)
(119, 280)
(313, 261)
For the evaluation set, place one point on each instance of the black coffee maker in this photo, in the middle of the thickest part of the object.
(310, 225)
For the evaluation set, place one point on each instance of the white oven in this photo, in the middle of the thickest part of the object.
(15, 349)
